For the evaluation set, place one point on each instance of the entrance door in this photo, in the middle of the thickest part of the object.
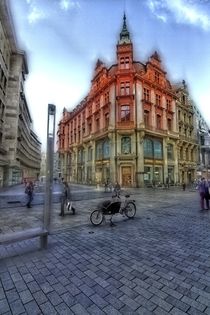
(126, 176)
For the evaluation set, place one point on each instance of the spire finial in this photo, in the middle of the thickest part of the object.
(124, 21)
(124, 35)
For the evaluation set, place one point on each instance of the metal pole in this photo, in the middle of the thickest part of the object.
(49, 166)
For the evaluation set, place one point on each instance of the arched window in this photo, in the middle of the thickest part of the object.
(148, 148)
(126, 145)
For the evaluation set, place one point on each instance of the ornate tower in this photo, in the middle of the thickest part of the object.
(124, 48)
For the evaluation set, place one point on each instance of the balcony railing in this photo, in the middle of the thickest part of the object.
(125, 124)
(188, 139)
(95, 134)
(155, 129)
(100, 132)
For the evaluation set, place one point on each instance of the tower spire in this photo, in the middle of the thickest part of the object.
(124, 34)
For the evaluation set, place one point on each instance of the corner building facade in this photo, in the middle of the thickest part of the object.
(125, 129)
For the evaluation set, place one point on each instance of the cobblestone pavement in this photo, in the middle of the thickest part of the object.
(157, 263)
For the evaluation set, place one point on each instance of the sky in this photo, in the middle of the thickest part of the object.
(64, 38)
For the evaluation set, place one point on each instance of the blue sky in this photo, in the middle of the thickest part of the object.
(64, 38)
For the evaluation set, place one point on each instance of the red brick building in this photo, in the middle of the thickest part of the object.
(125, 129)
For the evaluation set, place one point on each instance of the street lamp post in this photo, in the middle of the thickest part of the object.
(49, 165)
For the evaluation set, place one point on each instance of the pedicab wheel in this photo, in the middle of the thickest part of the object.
(130, 210)
(96, 217)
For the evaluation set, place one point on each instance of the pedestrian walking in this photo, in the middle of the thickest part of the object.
(66, 199)
(117, 188)
(203, 188)
(29, 191)
(106, 185)
(183, 186)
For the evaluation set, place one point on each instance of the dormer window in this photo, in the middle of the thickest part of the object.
(157, 100)
(157, 77)
(125, 88)
(124, 63)
(146, 94)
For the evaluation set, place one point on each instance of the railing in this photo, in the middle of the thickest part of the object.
(155, 129)
(125, 124)
(100, 132)
(188, 139)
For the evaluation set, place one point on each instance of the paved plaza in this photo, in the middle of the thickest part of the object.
(156, 263)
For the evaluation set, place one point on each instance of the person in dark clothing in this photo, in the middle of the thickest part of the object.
(167, 182)
(203, 188)
(29, 191)
(117, 189)
(65, 199)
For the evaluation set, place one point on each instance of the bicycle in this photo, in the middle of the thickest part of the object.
(112, 207)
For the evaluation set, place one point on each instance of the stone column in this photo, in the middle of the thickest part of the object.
(176, 162)
(93, 143)
(165, 127)
(140, 159)
(112, 113)
(165, 159)
(153, 114)
(85, 152)
(139, 107)
(174, 123)
(112, 157)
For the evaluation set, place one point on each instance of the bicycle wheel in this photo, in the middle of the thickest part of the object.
(96, 217)
(130, 210)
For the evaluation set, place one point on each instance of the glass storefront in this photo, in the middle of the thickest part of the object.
(147, 175)
(171, 175)
(158, 174)
(153, 175)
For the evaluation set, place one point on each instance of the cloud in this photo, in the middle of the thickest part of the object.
(34, 12)
(35, 15)
(68, 4)
(183, 11)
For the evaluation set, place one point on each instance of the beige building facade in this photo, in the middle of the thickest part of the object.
(203, 136)
(188, 145)
(19, 146)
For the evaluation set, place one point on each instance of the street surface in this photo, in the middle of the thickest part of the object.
(156, 263)
(15, 196)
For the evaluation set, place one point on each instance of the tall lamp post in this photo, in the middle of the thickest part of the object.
(49, 165)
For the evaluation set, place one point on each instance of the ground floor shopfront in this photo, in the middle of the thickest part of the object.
(125, 171)
(132, 159)
(10, 176)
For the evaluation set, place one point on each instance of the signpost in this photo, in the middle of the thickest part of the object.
(49, 165)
